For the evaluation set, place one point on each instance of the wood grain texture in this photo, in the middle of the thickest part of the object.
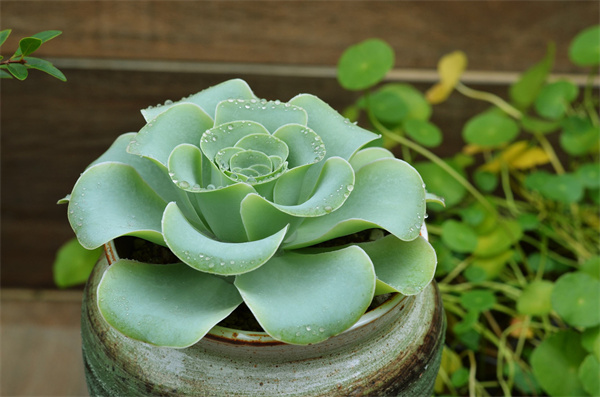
(41, 344)
(496, 35)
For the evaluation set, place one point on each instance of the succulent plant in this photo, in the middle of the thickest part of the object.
(259, 201)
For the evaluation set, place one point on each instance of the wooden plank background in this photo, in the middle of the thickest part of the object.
(120, 56)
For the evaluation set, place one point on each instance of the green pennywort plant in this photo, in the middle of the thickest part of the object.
(19, 64)
(257, 199)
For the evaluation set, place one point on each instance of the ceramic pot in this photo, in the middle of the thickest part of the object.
(394, 349)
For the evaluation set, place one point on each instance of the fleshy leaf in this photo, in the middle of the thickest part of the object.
(154, 174)
(271, 114)
(368, 155)
(388, 194)
(406, 266)
(212, 256)
(114, 201)
(183, 123)
(331, 191)
(341, 137)
(164, 305)
(306, 147)
(267, 144)
(227, 135)
(335, 289)
(206, 99)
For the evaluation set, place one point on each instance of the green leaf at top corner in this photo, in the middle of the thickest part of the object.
(525, 90)
(365, 64)
(45, 66)
(28, 45)
(585, 47)
(18, 71)
(4, 35)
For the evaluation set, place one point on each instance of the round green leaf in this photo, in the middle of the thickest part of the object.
(589, 374)
(365, 64)
(579, 136)
(591, 267)
(73, 264)
(387, 107)
(478, 300)
(589, 175)
(490, 130)
(537, 126)
(499, 239)
(556, 361)
(460, 377)
(590, 340)
(440, 183)
(554, 98)
(459, 236)
(528, 221)
(486, 181)
(535, 298)
(585, 47)
(413, 103)
(423, 132)
(576, 298)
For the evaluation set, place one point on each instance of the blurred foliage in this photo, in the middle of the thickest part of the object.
(518, 242)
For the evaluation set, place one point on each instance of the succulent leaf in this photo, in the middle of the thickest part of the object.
(404, 266)
(211, 256)
(388, 194)
(182, 123)
(165, 305)
(233, 185)
(341, 137)
(207, 99)
(130, 208)
(270, 114)
(304, 299)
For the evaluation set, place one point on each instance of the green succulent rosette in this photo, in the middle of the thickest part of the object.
(253, 197)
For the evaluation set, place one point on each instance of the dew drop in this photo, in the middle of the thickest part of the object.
(321, 329)
(350, 188)
(168, 102)
(308, 328)
(211, 265)
(328, 208)
(183, 184)
(210, 187)
(230, 127)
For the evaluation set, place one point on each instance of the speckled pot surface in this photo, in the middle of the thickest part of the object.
(394, 349)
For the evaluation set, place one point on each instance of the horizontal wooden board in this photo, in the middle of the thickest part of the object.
(52, 130)
(41, 344)
(496, 35)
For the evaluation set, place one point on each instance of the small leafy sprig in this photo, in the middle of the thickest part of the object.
(20, 62)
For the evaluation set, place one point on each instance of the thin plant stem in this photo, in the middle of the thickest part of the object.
(558, 167)
(472, 373)
(491, 98)
(510, 198)
(587, 96)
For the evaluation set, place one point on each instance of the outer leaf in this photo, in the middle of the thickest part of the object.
(212, 256)
(28, 45)
(341, 137)
(4, 35)
(183, 123)
(405, 266)
(365, 64)
(387, 194)
(271, 114)
(45, 66)
(17, 70)
(73, 264)
(111, 200)
(576, 298)
(585, 47)
(206, 99)
(490, 130)
(164, 305)
(526, 89)
(555, 363)
(335, 289)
